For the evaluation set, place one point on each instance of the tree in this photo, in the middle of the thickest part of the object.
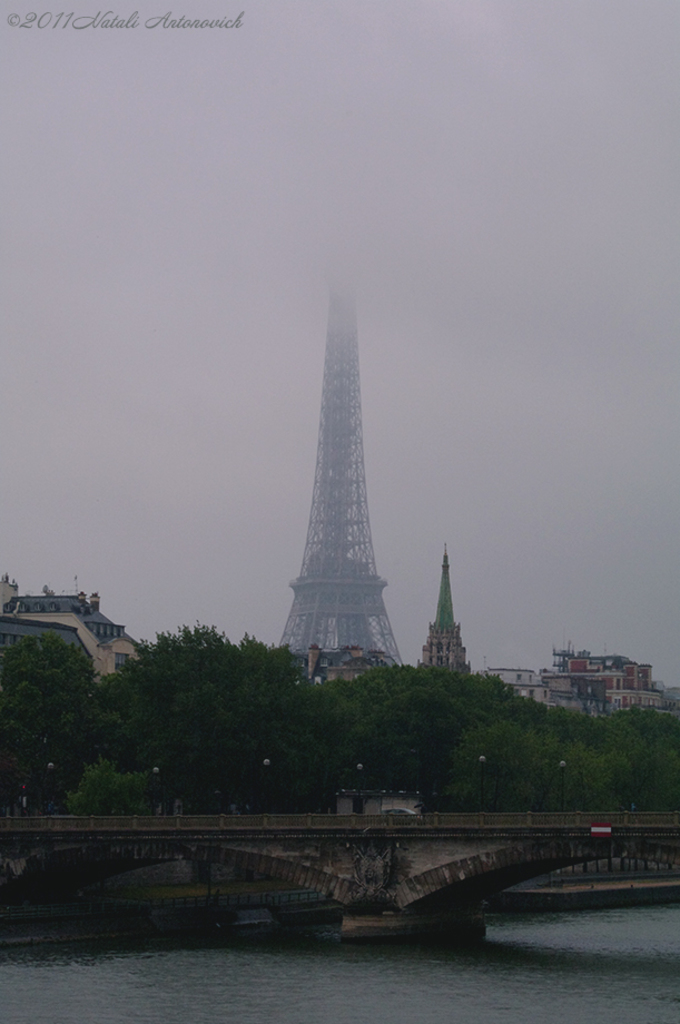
(643, 748)
(47, 713)
(103, 790)
(208, 713)
(403, 723)
(11, 778)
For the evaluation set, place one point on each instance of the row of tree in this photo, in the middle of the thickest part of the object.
(224, 726)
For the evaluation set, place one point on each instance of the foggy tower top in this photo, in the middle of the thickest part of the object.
(338, 594)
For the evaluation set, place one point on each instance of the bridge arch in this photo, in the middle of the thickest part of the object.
(424, 866)
(481, 875)
(81, 862)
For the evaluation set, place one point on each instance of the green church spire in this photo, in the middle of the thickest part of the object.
(444, 618)
(444, 647)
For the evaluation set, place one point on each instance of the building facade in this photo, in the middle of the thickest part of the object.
(13, 629)
(341, 663)
(524, 681)
(625, 683)
(556, 691)
(72, 616)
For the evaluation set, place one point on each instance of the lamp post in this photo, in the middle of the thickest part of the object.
(156, 791)
(563, 765)
(265, 788)
(49, 787)
(360, 769)
(416, 758)
(482, 764)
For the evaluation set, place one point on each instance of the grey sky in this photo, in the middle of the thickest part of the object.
(499, 180)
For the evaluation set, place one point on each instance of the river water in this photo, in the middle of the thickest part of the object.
(606, 967)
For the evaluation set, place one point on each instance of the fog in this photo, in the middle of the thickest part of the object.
(498, 181)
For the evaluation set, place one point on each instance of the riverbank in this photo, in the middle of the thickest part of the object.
(71, 922)
(257, 910)
(240, 914)
(598, 893)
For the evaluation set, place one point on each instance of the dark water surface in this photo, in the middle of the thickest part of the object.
(607, 967)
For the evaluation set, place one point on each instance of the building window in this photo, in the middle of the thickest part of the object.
(120, 660)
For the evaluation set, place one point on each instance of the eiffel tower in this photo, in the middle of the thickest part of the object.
(338, 595)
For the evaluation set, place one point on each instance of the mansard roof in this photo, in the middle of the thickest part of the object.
(12, 630)
(75, 604)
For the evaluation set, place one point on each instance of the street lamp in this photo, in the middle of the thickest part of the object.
(360, 808)
(156, 791)
(416, 758)
(265, 785)
(49, 786)
(563, 765)
(482, 763)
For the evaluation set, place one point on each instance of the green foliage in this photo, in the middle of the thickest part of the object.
(520, 771)
(402, 724)
(629, 760)
(47, 712)
(103, 790)
(208, 714)
(11, 778)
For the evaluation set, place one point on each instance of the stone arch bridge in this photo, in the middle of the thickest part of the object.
(391, 875)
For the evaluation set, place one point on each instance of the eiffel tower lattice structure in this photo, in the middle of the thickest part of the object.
(338, 595)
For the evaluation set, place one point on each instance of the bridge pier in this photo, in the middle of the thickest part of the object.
(459, 924)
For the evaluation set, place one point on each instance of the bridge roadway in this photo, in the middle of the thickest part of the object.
(393, 875)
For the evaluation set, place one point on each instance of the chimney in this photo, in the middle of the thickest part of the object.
(312, 659)
(82, 598)
(7, 591)
(356, 651)
(94, 601)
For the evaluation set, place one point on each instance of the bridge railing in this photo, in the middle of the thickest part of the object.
(338, 822)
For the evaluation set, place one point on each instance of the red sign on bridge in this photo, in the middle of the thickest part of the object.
(600, 828)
